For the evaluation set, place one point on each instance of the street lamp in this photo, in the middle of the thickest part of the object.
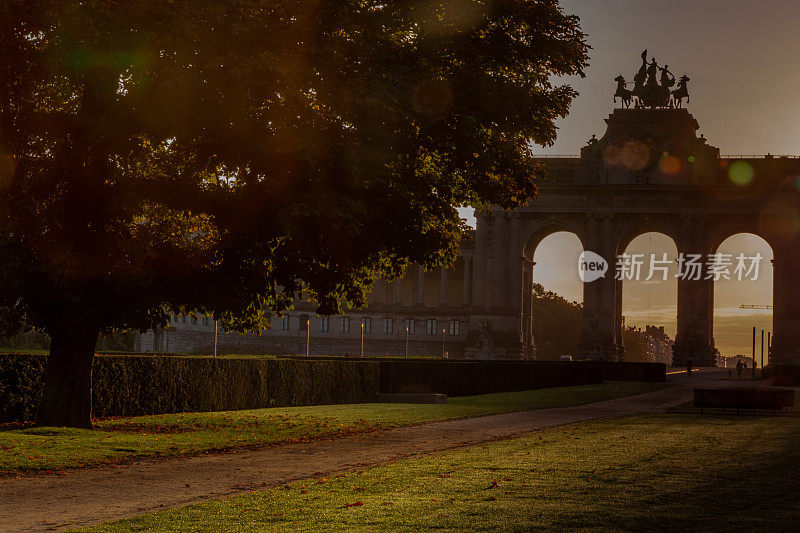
(362, 337)
(443, 332)
(406, 342)
(308, 334)
(216, 335)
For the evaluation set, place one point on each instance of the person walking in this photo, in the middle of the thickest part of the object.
(739, 368)
(689, 366)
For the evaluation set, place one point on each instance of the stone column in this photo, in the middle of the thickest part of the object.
(467, 294)
(786, 305)
(695, 324)
(598, 338)
(442, 287)
(528, 340)
(514, 271)
(479, 266)
(694, 339)
(420, 286)
(498, 261)
(398, 291)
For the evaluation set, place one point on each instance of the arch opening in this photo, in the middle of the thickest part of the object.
(743, 300)
(556, 295)
(647, 297)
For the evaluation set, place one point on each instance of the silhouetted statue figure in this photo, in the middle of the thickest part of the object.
(638, 82)
(624, 94)
(681, 92)
(667, 78)
(641, 76)
(652, 74)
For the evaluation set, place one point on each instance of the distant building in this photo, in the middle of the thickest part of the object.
(429, 309)
(659, 344)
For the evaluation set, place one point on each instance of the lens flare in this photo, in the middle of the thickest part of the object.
(670, 165)
(635, 155)
(741, 173)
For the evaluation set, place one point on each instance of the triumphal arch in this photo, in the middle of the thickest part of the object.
(649, 172)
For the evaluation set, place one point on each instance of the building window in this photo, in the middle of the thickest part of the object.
(345, 324)
(410, 325)
(388, 325)
(431, 326)
(367, 325)
(205, 320)
(285, 323)
(323, 323)
(455, 327)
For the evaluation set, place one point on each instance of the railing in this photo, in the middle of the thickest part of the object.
(724, 156)
(759, 156)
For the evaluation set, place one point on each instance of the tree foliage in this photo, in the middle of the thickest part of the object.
(165, 156)
(557, 324)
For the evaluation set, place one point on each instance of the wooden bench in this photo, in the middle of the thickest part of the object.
(744, 398)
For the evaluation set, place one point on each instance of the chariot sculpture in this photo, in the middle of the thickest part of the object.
(652, 87)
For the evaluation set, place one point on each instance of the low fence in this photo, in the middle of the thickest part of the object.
(136, 385)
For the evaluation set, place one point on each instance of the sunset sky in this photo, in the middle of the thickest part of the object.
(740, 56)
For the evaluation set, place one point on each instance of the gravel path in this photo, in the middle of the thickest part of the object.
(91, 496)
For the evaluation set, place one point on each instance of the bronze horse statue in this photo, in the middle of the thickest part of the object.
(681, 92)
(624, 94)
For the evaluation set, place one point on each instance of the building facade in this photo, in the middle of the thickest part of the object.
(420, 314)
(648, 172)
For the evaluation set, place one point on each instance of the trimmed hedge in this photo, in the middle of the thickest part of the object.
(21, 378)
(467, 378)
(785, 375)
(653, 372)
(140, 385)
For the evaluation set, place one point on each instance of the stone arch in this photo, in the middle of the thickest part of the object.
(724, 230)
(629, 230)
(532, 233)
(541, 229)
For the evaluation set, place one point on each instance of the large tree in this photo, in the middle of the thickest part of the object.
(159, 156)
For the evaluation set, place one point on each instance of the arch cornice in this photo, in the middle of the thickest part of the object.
(632, 226)
(535, 229)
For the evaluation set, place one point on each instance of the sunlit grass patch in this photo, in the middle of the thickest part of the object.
(123, 439)
(643, 473)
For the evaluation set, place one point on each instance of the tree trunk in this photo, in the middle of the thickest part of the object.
(67, 400)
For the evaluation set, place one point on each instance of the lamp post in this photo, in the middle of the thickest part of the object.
(769, 343)
(308, 334)
(762, 351)
(216, 335)
(406, 342)
(362, 337)
(754, 351)
(443, 332)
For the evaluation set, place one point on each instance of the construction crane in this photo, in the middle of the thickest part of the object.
(754, 306)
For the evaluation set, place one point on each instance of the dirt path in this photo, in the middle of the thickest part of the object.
(39, 503)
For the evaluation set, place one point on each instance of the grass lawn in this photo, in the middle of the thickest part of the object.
(674, 472)
(121, 439)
